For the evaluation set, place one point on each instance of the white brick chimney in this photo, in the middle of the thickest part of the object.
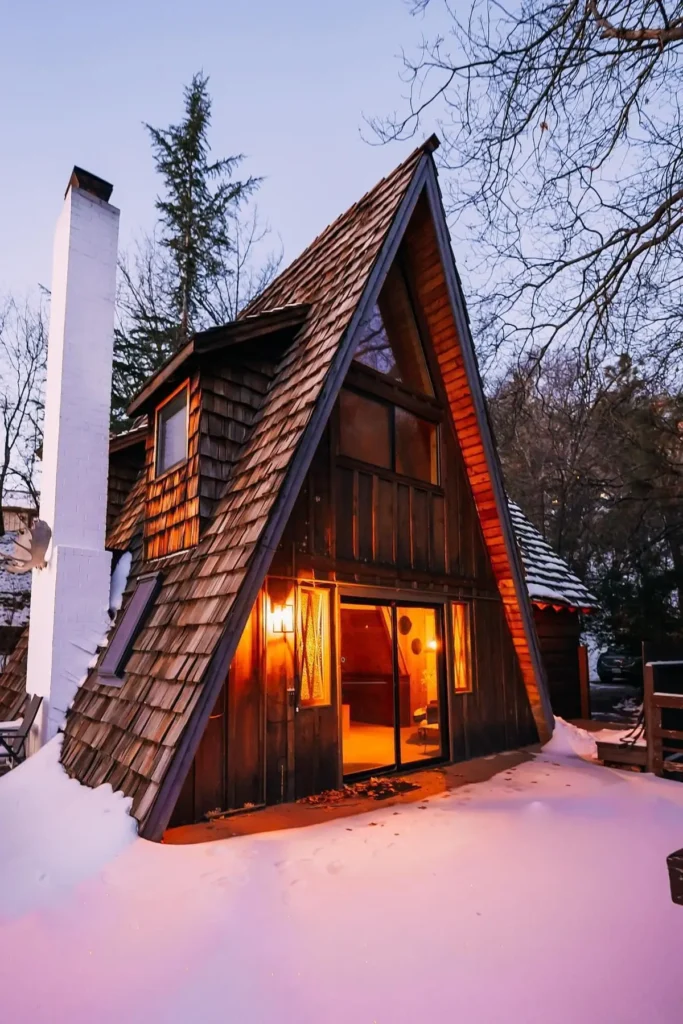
(69, 598)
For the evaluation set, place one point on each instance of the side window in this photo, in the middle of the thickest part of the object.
(462, 665)
(171, 431)
(313, 647)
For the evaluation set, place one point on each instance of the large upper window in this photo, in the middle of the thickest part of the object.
(171, 432)
(365, 428)
(416, 446)
(388, 339)
(388, 436)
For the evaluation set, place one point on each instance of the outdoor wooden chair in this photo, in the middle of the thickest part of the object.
(16, 707)
(13, 738)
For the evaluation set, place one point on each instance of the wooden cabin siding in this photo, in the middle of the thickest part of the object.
(346, 532)
(231, 394)
(558, 637)
(496, 715)
(172, 499)
(124, 469)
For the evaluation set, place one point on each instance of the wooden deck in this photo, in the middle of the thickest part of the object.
(664, 717)
(623, 755)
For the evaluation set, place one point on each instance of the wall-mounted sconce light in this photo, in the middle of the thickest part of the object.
(432, 645)
(282, 618)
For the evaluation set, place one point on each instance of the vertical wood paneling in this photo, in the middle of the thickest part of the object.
(385, 521)
(421, 529)
(365, 517)
(320, 486)
(344, 518)
(245, 723)
(438, 534)
(403, 527)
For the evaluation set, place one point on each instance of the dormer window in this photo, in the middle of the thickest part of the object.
(171, 431)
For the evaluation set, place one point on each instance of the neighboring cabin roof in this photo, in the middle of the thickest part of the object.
(15, 588)
(15, 606)
(141, 737)
(549, 579)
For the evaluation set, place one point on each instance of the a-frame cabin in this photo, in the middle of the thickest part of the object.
(325, 580)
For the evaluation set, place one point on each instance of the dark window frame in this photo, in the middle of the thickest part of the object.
(392, 406)
(111, 668)
(403, 278)
(158, 413)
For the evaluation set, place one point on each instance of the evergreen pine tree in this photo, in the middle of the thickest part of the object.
(184, 277)
(199, 197)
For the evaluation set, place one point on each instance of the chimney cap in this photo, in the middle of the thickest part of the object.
(90, 183)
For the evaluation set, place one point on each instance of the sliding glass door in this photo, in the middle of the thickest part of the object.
(393, 701)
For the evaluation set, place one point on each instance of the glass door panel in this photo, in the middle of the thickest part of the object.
(420, 697)
(367, 688)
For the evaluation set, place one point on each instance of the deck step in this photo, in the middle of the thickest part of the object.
(622, 754)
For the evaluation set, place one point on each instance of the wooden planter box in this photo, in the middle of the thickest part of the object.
(674, 862)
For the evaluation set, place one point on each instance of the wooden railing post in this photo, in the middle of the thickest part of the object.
(584, 682)
(650, 712)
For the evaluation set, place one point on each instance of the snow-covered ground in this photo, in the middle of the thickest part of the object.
(540, 896)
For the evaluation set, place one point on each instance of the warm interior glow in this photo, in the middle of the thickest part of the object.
(391, 702)
(461, 648)
(313, 647)
(281, 619)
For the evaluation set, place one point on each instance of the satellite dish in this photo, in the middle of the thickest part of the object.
(28, 550)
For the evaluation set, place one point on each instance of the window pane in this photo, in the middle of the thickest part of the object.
(389, 341)
(365, 429)
(373, 347)
(461, 648)
(416, 447)
(313, 647)
(172, 432)
(367, 685)
(418, 681)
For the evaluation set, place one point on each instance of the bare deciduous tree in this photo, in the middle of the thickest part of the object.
(23, 353)
(563, 143)
(146, 332)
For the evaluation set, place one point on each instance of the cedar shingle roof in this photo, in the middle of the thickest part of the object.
(13, 680)
(128, 736)
(549, 578)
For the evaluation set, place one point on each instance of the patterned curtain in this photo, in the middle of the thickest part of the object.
(311, 642)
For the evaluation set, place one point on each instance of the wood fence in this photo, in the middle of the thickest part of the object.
(663, 717)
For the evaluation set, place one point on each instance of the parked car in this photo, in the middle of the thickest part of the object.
(617, 666)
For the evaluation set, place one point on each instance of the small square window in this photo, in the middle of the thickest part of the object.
(171, 432)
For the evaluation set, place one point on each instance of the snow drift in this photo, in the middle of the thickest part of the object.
(54, 832)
